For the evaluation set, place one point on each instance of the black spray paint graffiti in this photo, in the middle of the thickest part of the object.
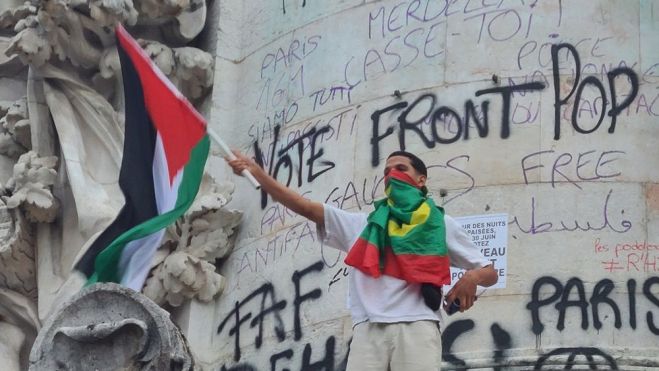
(284, 158)
(265, 299)
(572, 294)
(593, 357)
(283, 5)
(444, 114)
(562, 296)
(615, 110)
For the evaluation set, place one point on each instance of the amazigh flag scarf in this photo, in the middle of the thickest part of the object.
(405, 236)
(165, 150)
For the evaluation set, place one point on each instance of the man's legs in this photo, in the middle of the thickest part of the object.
(370, 349)
(400, 346)
(417, 346)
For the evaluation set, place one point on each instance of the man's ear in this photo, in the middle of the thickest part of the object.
(422, 180)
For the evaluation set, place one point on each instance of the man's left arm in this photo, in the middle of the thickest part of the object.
(464, 254)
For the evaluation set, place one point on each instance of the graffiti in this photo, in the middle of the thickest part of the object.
(450, 335)
(264, 130)
(532, 53)
(326, 363)
(502, 25)
(406, 43)
(285, 160)
(578, 88)
(276, 215)
(283, 8)
(588, 353)
(646, 105)
(461, 123)
(443, 114)
(280, 246)
(343, 272)
(637, 256)
(563, 295)
(550, 292)
(282, 73)
(537, 225)
(302, 141)
(338, 196)
(261, 310)
(324, 95)
(589, 165)
(284, 58)
(503, 341)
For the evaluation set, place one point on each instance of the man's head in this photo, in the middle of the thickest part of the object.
(409, 164)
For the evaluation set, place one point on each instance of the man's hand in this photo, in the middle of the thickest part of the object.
(241, 163)
(286, 196)
(465, 289)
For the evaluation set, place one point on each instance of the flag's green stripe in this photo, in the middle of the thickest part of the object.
(107, 261)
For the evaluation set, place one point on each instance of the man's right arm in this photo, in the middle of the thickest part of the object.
(311, 210)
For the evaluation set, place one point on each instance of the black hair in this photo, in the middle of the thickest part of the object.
(417, 164)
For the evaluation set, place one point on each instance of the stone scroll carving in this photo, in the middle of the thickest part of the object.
(110, 327)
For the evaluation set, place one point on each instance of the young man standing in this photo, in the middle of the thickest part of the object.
(400, 253)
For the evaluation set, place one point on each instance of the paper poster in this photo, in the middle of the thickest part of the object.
(490, 234)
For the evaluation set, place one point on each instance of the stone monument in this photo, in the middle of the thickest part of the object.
(61, 139)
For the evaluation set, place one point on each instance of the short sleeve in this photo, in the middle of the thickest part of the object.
(462, 251)
(342, 228)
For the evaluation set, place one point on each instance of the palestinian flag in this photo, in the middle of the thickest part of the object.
(405, 236)
(165, 150)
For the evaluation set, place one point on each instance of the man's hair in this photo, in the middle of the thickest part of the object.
(417, 164)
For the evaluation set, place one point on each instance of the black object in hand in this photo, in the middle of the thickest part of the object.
(454, 307)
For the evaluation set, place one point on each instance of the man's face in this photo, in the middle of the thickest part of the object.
(404, 164)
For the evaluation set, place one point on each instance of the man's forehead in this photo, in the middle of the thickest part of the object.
(395, 160)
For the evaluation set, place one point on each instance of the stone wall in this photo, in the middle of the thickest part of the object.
(543, 110)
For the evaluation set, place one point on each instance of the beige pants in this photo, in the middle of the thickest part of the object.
(401, 346)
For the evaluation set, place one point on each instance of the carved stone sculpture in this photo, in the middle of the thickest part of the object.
(200, 237)
(110, 327)
(30, 187)
(60, 151)
(19, 325)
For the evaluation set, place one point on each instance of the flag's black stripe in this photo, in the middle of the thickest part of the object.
(136, 174)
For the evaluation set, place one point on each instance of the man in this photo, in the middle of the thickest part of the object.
(399, 252)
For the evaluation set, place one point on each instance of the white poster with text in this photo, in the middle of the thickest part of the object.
(490, 234)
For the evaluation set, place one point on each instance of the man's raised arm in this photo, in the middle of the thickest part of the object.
(309, 209)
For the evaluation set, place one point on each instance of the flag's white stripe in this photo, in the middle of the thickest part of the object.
(136, 257)
(166, 195)
(135, 261)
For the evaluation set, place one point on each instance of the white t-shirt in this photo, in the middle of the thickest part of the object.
(387, 299)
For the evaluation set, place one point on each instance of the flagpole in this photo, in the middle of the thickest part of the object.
(231, 156)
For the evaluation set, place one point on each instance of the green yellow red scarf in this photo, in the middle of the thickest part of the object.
(405, 236)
